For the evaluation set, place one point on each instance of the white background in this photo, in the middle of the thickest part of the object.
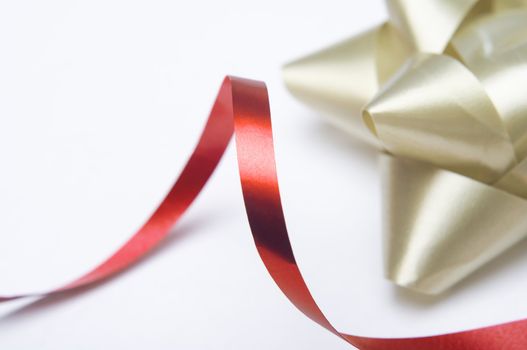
(101, 102)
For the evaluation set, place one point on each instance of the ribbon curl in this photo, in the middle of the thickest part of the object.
(441, 89)
(242, 107)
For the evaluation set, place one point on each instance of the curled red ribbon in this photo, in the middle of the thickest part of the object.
(242, 108)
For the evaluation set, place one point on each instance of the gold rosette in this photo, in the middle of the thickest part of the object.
(441, 89)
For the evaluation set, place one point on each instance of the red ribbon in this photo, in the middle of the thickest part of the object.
(242, 108)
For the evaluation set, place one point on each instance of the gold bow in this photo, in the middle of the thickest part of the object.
(441, 88)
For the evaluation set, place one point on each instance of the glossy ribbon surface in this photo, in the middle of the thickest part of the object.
(441, 86)
(242, 107)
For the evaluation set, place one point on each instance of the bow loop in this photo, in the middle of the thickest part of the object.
(434, 110)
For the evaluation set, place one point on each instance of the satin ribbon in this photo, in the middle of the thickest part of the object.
(441, 88)
(242, 107)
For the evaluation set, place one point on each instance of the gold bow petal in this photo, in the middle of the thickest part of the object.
(442, 86)
(327, 81)
(428, 25)
(489, 35)
(441, 226)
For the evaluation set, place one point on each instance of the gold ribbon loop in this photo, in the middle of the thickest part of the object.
(435, 110)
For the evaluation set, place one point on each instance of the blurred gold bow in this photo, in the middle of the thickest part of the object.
(441, 87)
